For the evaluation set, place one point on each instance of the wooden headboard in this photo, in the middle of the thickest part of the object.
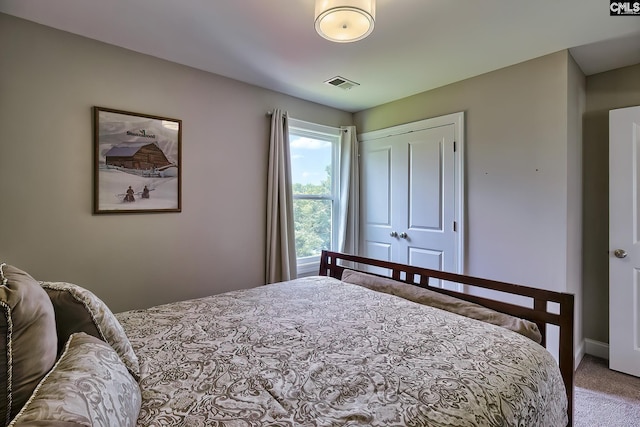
(334, 263)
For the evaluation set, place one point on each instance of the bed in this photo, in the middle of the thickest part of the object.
(347, 347)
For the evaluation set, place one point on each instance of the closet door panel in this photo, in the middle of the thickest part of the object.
(425, 170)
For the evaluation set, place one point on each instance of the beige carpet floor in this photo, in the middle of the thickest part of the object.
(605, 398)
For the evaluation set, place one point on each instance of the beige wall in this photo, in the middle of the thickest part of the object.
(516, 166)
(605, 91)
(49, 80)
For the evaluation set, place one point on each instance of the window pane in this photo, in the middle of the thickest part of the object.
(310, 165)
(312, 220)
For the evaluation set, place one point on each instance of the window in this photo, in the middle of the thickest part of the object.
(314, 151)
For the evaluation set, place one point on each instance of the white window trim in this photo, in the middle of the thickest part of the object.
(308, 266)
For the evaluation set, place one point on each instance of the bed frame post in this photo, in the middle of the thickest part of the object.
(541, 305)
(566, 350)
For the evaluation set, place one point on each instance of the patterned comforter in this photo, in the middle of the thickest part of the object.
(319, 352)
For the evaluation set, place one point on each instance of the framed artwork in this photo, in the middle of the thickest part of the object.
(137, 162)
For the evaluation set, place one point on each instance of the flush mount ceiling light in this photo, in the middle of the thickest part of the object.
(345, 21)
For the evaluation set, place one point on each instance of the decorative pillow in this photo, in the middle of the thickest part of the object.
(79, 310)
(88, 386)
(443, 302)
(28, 342)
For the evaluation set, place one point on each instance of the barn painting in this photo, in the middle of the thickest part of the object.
(137, 155)
(137, 162)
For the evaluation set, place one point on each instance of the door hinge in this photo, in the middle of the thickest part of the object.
(455, 226)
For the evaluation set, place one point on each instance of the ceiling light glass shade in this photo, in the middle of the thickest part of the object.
(345, 21)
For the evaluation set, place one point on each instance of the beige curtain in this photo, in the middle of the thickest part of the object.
(348, 236)
(281, 246)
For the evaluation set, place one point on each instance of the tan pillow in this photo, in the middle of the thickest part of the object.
(79, 310)
(88, 386)
(443, 302)
(28, 341)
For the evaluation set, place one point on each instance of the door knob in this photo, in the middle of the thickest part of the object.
(393, 234)
(620, 253)
(403, 235)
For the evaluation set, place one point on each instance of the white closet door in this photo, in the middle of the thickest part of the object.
(377, 200)
(409, 193)
(427, 200)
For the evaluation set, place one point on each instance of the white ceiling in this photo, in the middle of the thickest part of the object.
(416, 45)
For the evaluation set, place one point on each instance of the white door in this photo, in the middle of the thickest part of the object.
(411, 194)
(624, 240)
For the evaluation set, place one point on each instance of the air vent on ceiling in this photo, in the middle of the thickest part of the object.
(342, 83)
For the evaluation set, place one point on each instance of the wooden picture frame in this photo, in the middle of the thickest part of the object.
(137, 162)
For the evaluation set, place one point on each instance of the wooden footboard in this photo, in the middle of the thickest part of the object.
(333, 264)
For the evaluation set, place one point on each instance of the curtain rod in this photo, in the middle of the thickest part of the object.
(270, 113)
(286, 113)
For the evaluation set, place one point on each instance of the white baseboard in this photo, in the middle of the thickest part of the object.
(579, 354)
(596, 348)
